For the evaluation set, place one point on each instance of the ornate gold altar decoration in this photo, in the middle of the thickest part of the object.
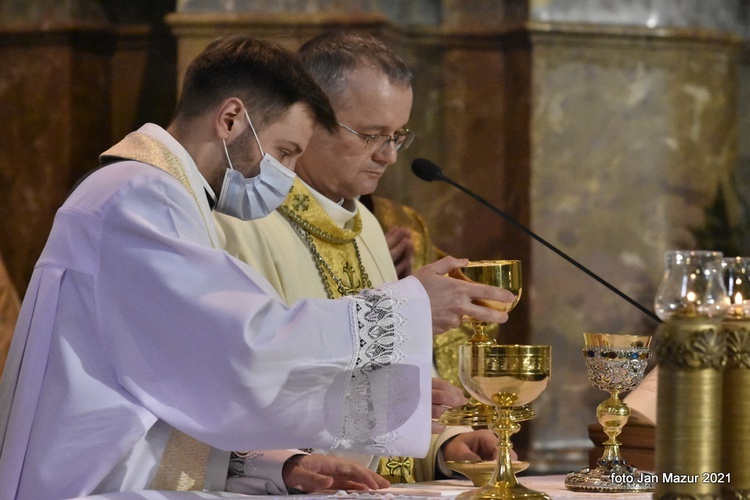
(735, 442)
(615, 364)
(691, 352)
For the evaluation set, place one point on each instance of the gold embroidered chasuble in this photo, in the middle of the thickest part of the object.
(339, 263)
(275, 248)
(333, 248)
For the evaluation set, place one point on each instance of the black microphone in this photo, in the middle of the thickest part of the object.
(428, 171)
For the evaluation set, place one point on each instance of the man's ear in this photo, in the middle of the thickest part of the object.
(227, 125)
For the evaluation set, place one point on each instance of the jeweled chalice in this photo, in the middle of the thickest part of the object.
(506, 377)
(615, 363)
(502, 274)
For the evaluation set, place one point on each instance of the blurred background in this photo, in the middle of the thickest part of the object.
(615, 129)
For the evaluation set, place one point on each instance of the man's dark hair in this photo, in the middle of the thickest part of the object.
(328, 57)
(268, 78)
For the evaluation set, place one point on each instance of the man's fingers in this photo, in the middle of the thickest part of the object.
(446, 264)
(308, 481)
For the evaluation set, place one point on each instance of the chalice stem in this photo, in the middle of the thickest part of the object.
(480, 336)
(612, 415)
(504, 428)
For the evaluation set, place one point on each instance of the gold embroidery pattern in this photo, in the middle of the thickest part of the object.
(334, 249)
(397, 469)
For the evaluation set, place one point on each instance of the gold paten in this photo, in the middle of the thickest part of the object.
(735, 442)
(480, 471)
(692, 353)
(504, 376)
(615, 364)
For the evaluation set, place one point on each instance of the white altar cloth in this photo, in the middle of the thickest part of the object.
(551, 485)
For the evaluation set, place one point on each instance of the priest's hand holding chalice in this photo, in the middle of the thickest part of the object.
(505, 274)
(501, 379)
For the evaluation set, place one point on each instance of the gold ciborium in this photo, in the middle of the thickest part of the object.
(506, 377)
(502, 274)
(615, 363)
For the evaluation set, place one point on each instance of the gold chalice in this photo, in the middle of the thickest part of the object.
(616, 363)
(505, 376)
(502, 274)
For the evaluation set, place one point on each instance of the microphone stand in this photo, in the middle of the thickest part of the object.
(439, 175)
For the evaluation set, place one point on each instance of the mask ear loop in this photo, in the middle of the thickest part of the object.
(256, 135)
(226, 152)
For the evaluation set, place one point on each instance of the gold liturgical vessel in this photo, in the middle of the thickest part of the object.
(615, 364)
(504, 274)
(505, 376)
(501, 380)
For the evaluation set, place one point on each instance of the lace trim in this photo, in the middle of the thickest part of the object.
(241, 463)
(379, 330)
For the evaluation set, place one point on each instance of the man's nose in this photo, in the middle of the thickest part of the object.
(387, 154)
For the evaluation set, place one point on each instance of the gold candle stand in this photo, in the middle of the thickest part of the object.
(691, 353)
(734, 475)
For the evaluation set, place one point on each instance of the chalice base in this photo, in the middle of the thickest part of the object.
(476, 414)
(473, 413)
(611, 478)
(503, 491)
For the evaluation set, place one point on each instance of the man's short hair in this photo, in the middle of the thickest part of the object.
(266, 77)
(333, 54)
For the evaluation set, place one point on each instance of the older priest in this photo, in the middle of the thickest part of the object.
(143, 351)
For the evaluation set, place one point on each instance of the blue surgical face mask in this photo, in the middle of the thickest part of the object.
(258, 196)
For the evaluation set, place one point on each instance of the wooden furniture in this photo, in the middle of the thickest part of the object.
(638, 440)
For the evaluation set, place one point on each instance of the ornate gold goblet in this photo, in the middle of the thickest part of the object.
(505, 376)
(502, 274)
(616, 363)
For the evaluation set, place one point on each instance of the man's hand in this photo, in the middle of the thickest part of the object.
(451, 298)
(444, 395)
(402, 250)
(480, 444)
(310, 473)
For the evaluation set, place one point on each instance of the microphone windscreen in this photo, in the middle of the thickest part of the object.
(426, 170)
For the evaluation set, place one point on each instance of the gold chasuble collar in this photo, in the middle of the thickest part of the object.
(333, 248)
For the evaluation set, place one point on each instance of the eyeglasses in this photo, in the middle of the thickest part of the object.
(401, 139)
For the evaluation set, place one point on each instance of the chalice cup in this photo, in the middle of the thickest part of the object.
(615, 363)
(502, 274)
(506, 377)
